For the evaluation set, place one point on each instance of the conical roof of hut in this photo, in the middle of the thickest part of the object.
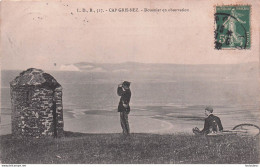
(35, 77)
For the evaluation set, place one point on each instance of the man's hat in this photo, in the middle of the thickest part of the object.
(126, 83)
(209, 108)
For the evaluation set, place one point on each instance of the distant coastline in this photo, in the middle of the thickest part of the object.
(131, 66)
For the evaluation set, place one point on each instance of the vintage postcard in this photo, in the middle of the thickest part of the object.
(129, 82)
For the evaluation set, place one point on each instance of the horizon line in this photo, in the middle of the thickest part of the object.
(130, 62)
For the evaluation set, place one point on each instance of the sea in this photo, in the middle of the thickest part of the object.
(162, 102)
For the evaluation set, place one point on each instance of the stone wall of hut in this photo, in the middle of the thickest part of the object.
(37, 111)
(59, 112)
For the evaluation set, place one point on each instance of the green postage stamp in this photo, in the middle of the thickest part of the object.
(232, 27)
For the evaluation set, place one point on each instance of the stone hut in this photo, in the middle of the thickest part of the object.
(37, 110)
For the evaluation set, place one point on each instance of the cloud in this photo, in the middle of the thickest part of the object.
(98, 69)
(86, 66)
(120, 70)
(69, 67)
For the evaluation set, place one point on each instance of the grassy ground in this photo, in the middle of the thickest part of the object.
(76, 148)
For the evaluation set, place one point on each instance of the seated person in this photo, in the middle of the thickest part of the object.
(212, 123)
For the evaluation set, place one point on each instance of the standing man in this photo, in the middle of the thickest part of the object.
(212, 123)
(124, 91)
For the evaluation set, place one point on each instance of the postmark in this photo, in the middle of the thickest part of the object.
(232, 27)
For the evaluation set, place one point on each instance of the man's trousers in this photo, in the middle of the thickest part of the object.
(124, 122)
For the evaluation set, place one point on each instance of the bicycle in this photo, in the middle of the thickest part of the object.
(244, 129)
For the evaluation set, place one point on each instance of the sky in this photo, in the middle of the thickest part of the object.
(49, 34)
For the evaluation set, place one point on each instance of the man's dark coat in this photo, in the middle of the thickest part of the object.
(125, 99)
(212, 122)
